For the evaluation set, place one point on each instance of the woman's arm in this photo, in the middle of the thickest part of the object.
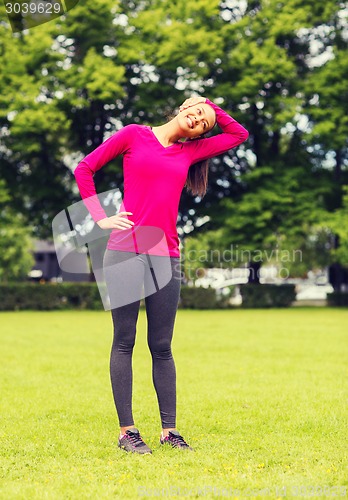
(233, 134)
(117, 144)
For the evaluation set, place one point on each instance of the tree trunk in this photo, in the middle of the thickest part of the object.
(254, 272)
(336, 271)
(338, 167)
(337, 276)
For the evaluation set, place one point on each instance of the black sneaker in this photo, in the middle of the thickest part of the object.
(132, 441)
(176, 440)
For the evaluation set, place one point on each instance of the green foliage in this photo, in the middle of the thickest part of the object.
(335, 223)
(267, 295)
(328, 104)
(98, 78)
(16, 245)
(49, 296)
(201, 252)
(273, 222)
(197, 298)
(337, 299)
(58, 296)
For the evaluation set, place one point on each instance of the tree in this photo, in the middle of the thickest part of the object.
(16, 244)
(327, 109)
(283, 193)
(45, 99)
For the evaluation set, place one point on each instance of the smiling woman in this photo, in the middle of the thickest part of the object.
(188, 124)
(158, 162)
(201, 118)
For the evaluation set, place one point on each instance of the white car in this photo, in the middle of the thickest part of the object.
(313, 292)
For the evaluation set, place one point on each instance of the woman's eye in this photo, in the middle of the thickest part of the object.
(199, 111)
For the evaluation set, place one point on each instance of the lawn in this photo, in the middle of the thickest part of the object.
(261, 396)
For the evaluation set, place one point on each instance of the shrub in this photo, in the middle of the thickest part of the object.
(337, 299)
(255, 295)
(83, 295)
(49, 296)
(192, 297)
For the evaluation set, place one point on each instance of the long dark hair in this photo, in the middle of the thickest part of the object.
(197, 177)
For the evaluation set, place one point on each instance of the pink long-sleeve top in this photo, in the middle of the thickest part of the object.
(154, 177)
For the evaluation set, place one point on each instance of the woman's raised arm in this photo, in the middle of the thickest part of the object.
(233, 134)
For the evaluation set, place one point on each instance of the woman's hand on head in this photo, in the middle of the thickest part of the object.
(116, 221)
(191, 101)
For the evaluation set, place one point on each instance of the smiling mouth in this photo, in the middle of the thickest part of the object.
(190, 121)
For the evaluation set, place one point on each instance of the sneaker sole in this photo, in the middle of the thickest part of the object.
(133, 451)
(176, 447)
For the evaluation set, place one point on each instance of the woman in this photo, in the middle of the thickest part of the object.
(158, 162)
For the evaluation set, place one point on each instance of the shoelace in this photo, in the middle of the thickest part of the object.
(177, 439)
(135, 438)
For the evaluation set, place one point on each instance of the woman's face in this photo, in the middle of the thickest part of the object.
(196, 120)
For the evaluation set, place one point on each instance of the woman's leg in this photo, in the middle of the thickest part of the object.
(124, 275)
(161, 308)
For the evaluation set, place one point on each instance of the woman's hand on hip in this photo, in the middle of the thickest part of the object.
(192, 101)
(116, 221)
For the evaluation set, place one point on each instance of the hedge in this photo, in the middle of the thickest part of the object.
(257, 295)
(202, 298)
(337, 299)
(49, 296)
(84, 295)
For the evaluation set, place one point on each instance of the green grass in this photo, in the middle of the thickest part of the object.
(261, 396)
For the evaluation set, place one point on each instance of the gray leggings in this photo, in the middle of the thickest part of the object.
(125, 274)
